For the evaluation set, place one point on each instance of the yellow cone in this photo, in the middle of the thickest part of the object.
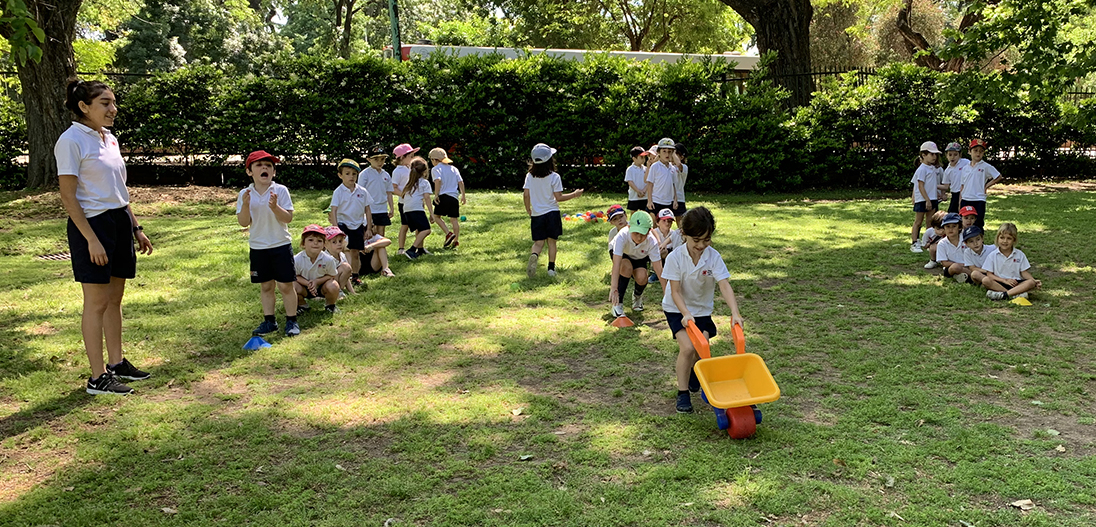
(1021, 301)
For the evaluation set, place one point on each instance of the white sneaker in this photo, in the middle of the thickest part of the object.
(962, 278)
(552, 272)
(1021, 295)
(531, 267)
(637, 303)
(996, 295)
(915, 247)
(617, 311)
(932, 264)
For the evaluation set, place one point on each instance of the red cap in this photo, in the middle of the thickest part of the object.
(316, 229)
(967, 211)
(259, 155)
(976, 142)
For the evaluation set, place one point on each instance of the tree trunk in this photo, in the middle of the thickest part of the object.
(43, 86)
(344, 46)
(783, 26)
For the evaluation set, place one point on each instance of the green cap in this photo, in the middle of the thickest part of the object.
(349, 163)
(640, 222)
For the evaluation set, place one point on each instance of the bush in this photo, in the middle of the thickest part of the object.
(13, 143)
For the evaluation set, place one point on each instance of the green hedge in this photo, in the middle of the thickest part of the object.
(488, 112)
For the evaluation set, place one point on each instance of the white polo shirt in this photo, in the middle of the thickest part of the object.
(697, 282)
(266, 232)
(400, 175)
(1007, 266)
(663, 177)
(676, 239)
(624, 245)
(325, 265)
(450, 179)
(350, 205)
(414, 197)
(379, 184)
(928, 174)
(542, 192)
(634, 174)
(98, 166)
(953, 175)
(973, 259)
(975, 178)
(679, 183)
(945, 250)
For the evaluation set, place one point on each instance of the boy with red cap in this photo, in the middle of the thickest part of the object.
(266, 208)
(317, 271)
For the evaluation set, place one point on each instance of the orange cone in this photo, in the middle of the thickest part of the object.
(622, 322)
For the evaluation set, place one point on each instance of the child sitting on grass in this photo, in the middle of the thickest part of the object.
(949, 252)
(1007, 274)
(932, 236)
(375, 256)
(316, 271)
(975, 253)
(693, 271)
(336, 242)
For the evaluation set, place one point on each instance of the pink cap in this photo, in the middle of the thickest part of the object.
(403, 149)
(332, 232)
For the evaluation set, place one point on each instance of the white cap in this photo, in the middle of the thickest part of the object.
(542, 153)
(666, 142)
(929, 146)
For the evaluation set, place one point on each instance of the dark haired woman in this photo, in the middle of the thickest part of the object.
(101, 230)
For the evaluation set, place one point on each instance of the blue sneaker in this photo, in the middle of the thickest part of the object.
(291, 328)
(684, 403)
(265, 327)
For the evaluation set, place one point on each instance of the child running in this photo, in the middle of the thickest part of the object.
(266, 209)
(692, 272)
(924, 191)
(417, 207)
(400, 175)
(316, 271)
(633, 249)
(447, 185)
(543, 190)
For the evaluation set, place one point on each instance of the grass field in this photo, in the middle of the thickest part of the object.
(463, 393)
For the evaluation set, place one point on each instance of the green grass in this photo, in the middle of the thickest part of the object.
(904, 394)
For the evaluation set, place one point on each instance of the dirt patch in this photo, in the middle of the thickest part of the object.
(24, 469)
(45, 205)
(179, 195)
(1044, 187)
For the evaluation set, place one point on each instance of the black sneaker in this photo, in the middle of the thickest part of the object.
(684, 403)
(302, 308)
(266, 327)
(332, 309)
(412, 253)
(694, 383)
(107, 384)
(291, 328)
(126, 370)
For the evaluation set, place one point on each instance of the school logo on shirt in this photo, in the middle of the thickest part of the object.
(706, 272)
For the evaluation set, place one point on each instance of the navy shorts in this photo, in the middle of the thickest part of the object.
(658, 207)
(703, 323)
(273, 264)
(416, 220)
(1006, 286)
(355, 238)
(115, 232)
(637, 264)
(403, 215)
(367, 264)
(546, 226)
(447, 206)
(953, 205)
(680, 210)
(920, 206)
(381, 219)
(637, 204)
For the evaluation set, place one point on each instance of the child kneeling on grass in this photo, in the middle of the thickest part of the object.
(316, 271)
(1007, 274)
(692, 272)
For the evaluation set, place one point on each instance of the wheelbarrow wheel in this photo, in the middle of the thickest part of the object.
(721, 418)
(742, 422)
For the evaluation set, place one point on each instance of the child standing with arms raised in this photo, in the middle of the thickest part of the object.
(924, 191)
(266, 208)
(379, 185)
(978, 177)
(543, 190)
(693, 271)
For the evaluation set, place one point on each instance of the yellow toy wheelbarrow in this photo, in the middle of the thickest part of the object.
(733, 384)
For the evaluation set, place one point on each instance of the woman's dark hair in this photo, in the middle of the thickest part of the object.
(542, 169)
(697, 223)
(82, 91)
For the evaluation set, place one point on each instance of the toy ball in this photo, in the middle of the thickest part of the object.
(464, 218)
(600, 214)
(515, 286)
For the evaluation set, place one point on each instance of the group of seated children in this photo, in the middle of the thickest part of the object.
(333, 259)
(956, 243)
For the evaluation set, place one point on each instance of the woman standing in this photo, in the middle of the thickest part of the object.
(101, 230)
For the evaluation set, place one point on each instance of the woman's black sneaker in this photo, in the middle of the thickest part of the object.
(126, 370)
(107, 384)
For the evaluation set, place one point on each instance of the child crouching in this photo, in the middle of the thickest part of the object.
(336, 243)
(316, 271)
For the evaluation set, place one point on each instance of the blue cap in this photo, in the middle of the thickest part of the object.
(971, 232)
(951, 217)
